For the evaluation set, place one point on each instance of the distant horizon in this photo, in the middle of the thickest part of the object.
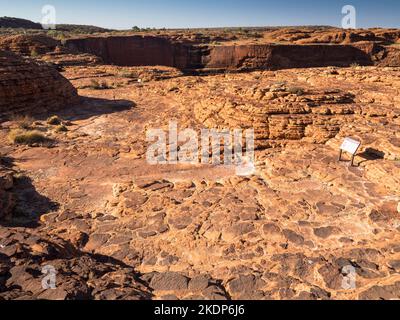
(209, 27)
(179, 14)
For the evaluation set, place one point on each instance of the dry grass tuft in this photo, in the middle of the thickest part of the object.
(96, 85)
(23, 122)
(54, 121)
(23, 137)
(296, 90)
(61, 128)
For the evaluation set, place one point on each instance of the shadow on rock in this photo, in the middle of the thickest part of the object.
(23, 204)
(371, 154)
(30, 205)
(86, 108)
(91, 107)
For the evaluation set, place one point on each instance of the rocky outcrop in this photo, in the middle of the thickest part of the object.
(7, 200)
(390, 57)
(29, 86)
(76, 275)
(277, 112)
(45, 48)
(128, 51)
(272, 57)
(150, 50)
(28, 45)
(332, 35)
(28, 258)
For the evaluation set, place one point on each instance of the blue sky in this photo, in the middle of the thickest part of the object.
(123, 14)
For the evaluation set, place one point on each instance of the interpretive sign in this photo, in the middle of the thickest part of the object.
(351, 146)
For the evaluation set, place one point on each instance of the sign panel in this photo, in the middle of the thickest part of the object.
(351, 146)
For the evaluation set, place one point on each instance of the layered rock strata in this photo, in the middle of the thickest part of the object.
(150, 50)
(26, 85)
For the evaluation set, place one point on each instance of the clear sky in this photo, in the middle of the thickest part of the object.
(124, 14)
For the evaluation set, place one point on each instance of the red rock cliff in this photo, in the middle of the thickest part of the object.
(128, 51)
(149, 50)
(284, 56)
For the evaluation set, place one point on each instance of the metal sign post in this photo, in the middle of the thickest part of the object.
(351, 146)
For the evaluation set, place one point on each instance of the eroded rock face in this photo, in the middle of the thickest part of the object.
(273, 57)
(309, 35)
(152, 50)
(45, 48)
(312, 107)
(26, 85)
(277, 112)
(128, 51)
(7, 200)
(29, 44)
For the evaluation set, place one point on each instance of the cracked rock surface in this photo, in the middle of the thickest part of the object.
(115, 227)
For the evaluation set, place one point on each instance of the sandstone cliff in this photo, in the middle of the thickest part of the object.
(272, 57)
(28, 45)
(151, 50)
(45, 48)
(127, 51)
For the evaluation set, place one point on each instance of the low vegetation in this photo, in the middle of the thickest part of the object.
(27, 137)
(296, 90)
(54, 121)
(96, 85)
(23, 122)
(59, 35)
(34, 53)
(128, 74)
(61, 128)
